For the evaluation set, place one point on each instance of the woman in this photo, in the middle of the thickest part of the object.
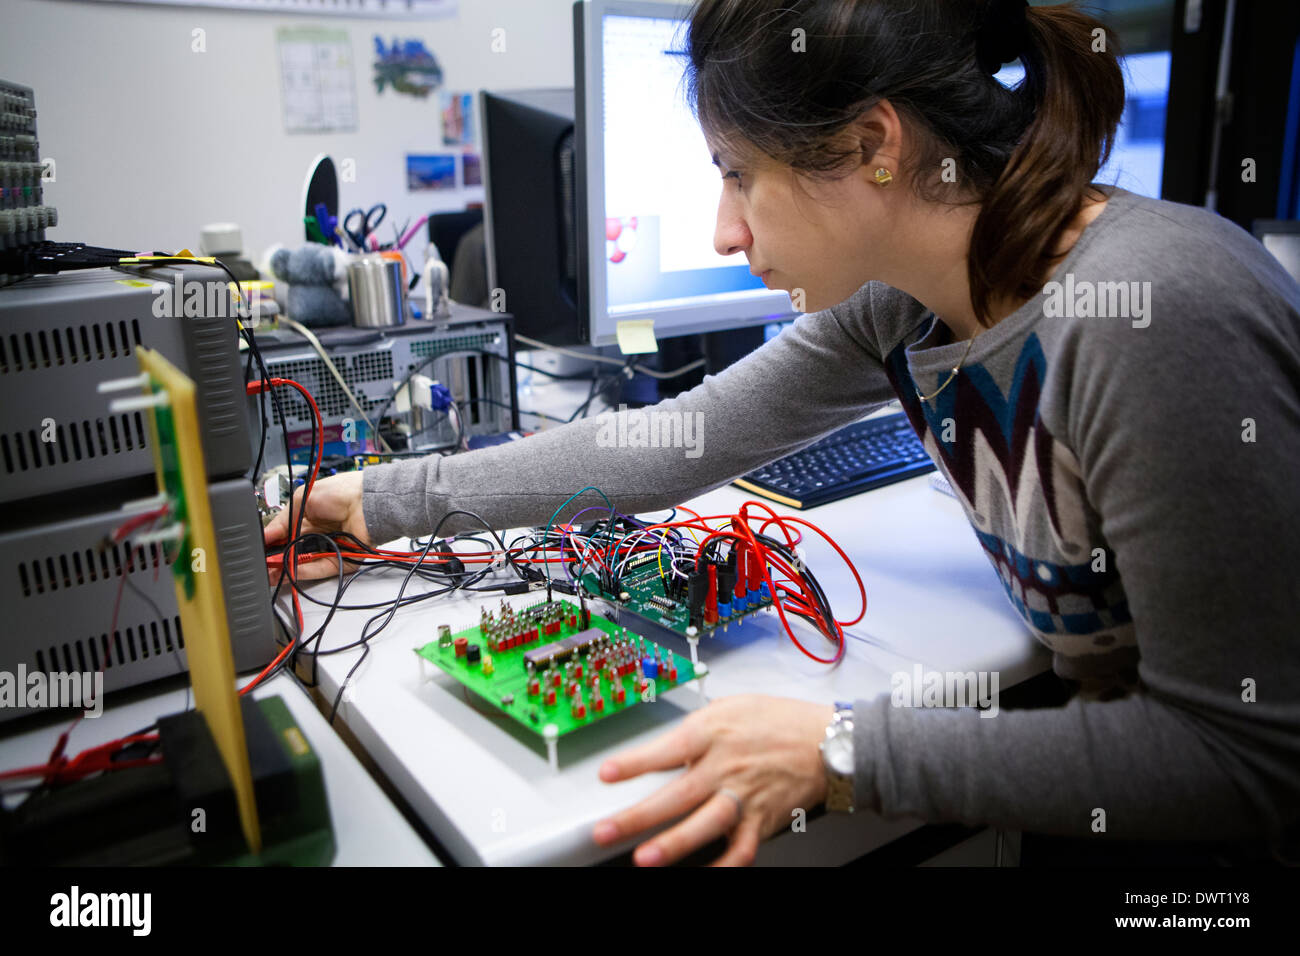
(1109, 382)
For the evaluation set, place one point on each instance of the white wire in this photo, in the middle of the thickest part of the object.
(314, 342)
(632, 538)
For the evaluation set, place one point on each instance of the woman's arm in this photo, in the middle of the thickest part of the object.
(817, 375)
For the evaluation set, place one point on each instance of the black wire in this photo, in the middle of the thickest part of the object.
(158, 614)
(261, 410)
(295, 529)
(493, 401)
(450, 581)
(615, 378)
(575, 376)
(424, 363)
(827, 623)
(367, 634)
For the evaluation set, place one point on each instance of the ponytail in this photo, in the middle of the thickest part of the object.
(1072, 75)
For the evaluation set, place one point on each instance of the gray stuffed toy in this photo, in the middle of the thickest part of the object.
(316, 276)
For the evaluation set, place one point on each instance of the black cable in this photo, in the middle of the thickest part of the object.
(459, 581)
(424, 363)
(493, 401)
(594, 394)
(261, 411)
(367, 634)
(158, 614)
(295, 530)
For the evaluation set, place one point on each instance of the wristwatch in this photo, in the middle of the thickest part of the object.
(837, 759)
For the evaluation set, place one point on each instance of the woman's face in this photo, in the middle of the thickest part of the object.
(819, 241)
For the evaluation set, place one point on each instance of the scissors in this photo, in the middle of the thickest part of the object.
(360, 225)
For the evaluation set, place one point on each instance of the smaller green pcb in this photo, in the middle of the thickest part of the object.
(646, 598)
(542, 665)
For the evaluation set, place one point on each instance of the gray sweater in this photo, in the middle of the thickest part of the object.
(1127, 448)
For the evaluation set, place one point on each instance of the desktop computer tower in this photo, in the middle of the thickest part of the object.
(471, 353)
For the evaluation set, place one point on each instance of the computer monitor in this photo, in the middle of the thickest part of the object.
(1282, 238)
(1137, 156)
(530, 232)
(651, 190)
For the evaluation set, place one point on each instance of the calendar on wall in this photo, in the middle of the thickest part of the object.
(317, 85)
(377, 9)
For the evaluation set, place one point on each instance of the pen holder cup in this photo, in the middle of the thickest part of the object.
(377, 292)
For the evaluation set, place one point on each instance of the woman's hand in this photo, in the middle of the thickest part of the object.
(752, 761)
(334, 505)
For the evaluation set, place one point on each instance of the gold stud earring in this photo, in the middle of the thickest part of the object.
(884, 177)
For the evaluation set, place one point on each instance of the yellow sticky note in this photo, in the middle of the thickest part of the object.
(637, 336)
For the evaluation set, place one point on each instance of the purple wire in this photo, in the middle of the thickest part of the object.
(565, 534)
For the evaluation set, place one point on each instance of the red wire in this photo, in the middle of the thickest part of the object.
(254, 388)
(96, 759)
(91, 760)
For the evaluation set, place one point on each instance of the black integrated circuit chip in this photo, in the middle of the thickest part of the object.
(540, 657)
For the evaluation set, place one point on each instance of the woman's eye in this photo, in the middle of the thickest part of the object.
(735, 174)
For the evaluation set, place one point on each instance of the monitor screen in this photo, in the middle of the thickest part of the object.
(652, 188)
(1138, 154)
(1283, 240)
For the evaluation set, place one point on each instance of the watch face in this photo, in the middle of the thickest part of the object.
(839, 753)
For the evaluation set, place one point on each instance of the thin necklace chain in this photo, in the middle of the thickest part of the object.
(948, 381)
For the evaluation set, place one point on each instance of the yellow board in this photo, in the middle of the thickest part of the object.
(203, 615)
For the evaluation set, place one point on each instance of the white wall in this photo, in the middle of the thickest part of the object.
(152, 140)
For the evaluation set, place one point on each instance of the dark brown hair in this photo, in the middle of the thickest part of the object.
(1026, 154)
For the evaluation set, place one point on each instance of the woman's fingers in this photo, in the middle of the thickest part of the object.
(277, 530)
(677, 747)
(669, 801)
(743, 845)
(719, 815)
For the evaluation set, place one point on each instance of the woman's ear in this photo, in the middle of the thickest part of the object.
(879, 133)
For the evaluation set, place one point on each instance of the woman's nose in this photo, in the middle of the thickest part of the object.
(731, 235)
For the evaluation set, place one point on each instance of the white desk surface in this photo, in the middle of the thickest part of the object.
(483, 785)
(368, 829)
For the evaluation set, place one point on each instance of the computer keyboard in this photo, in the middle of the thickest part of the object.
(857, 458)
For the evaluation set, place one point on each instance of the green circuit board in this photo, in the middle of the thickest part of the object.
(166, 444)
(547, 664)
(646, 597)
